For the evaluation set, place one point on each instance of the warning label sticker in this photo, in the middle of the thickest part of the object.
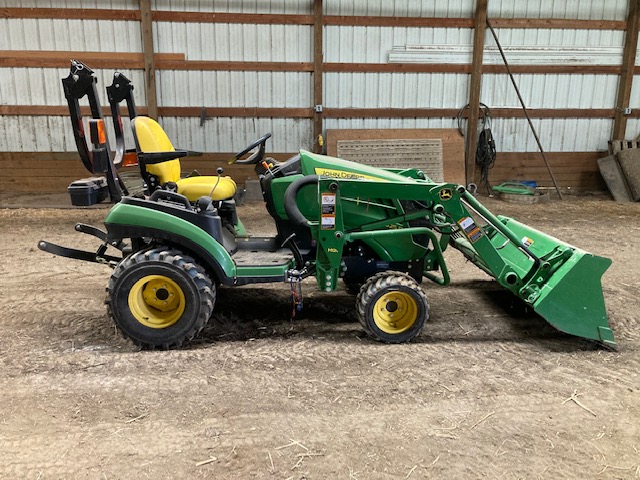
(328, 199)
(471, 230)
(328, 209)
(328, 222)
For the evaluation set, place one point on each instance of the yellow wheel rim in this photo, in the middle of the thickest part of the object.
(395, 312)
(156, 301)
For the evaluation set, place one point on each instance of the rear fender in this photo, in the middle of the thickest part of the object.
(132, 221)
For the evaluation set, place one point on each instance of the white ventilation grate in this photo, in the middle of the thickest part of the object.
(425, 155)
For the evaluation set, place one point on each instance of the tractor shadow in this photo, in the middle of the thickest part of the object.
(491, 315)
(243, 314)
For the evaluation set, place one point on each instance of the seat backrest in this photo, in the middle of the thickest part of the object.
(150, 137)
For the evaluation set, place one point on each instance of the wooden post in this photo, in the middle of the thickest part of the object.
(317, 72)
(626, 76)
(149, 61)
(475, 84)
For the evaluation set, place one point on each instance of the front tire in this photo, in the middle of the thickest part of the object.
(160, 298)
(392, 307)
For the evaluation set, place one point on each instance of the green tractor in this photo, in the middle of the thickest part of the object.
(382, 231)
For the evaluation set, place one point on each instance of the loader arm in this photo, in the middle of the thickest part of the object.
(559, 281)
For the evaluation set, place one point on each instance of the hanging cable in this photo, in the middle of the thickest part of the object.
(486, 147)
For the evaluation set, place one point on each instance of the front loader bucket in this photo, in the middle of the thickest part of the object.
(571, 297)
(572, 300)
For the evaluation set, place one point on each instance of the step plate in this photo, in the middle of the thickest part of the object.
(256, 258)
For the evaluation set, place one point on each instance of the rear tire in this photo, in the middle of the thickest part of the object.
(160, 298)
(392, 307)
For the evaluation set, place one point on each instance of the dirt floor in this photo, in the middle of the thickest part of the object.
(488, 389)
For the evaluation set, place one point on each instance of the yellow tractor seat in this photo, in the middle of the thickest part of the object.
(196, 187)
(160, 166)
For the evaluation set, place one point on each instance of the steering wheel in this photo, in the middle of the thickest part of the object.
(257, 156)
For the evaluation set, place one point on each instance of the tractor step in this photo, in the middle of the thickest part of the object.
(256, 266)
(256, 258)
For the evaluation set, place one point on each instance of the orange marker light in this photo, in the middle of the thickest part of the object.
(98, 133)
(130, 159)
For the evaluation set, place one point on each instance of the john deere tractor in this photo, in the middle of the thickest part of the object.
(382, 231)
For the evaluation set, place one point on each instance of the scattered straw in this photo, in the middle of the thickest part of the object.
(293, 442)
(482, 420)
(411, 471)
(233, 450)
(205, 462)
(613, 467)
(139, 417)
(574, 397)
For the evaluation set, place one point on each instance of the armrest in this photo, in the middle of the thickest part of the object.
(151, 158)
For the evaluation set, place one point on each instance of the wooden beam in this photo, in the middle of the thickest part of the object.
(390, 112)
(176, 61)
(211, 65)
(56, 110)
(475, 83)
(269, 112)
(318, 57)
(379, 21)
(56, 59)
(397, 67)
(628, 68)
(554, 113)
(452, 112)
(558, 23)
(467, 68)
(149, 58)
(555, 69)
(292, 19)
(70, 13)
(253, 112)
(244, 18)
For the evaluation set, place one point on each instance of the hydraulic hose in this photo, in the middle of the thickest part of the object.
(291, 200)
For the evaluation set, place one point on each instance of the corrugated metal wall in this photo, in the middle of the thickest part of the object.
(236, 42)
(555, 91)
(41, 86)
(633, 124)
(392, 90)
(406, 90)
(293, 43)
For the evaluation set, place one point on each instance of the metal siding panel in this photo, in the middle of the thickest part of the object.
(348, 123)
(394, 90)
(235, 89)
(69, 34)
(634, 101)
(565, 135)
(235, 42)
(46, 134)
(633, 128)
(401, 8)
(373, 44)
(550, 91)
(234, 134)
(542, 37)
(272, 6)
(587, 9)
(56, 130)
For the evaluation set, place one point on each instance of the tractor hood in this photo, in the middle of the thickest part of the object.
(325, 166)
